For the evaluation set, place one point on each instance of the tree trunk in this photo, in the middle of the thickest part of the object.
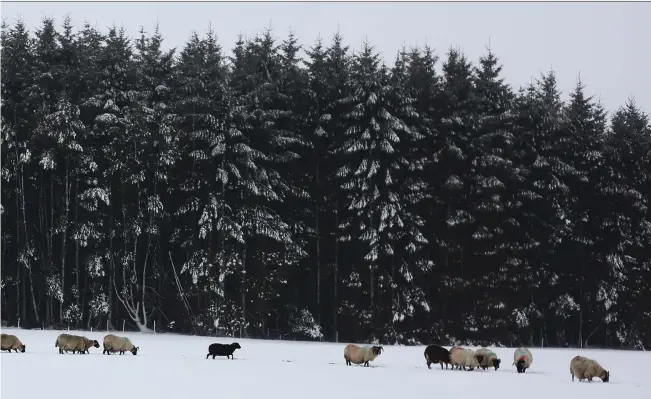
(50, 251)
(19, 281)
(111, 259)
(335, 304)
(77, 270)
(581, 300)
(83, 298)
(31, 283)
(29, 267)
(372, 285)
(64, 236)
(243, 289)
(318, 250)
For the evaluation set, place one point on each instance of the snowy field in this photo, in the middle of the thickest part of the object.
(175, 366)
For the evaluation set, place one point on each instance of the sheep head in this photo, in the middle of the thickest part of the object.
(606, 376)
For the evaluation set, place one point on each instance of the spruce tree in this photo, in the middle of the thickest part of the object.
(448, 177)
(494, 241)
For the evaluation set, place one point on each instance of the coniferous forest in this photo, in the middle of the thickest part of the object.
(251, 192)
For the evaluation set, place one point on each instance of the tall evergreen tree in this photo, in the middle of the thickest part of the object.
(494, 242)
(447, 176)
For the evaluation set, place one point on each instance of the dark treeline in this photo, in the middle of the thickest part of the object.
(252, 192)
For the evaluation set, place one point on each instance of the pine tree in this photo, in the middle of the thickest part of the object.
(258, 184)
(17, 125)
(425, 86)
(494, 234)
(448, 177)
(629, 162)
(202, 121)
(90, 191)
(45, 95)
(579, 146)
(371, 179)
(104, 205)
(328, 72)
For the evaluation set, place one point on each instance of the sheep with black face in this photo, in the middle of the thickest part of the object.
(584, 368)
(114, 343)
(11, 342)
(522, 359)
(74, 343)
(489, 359)
(354, 354)
(222, 350)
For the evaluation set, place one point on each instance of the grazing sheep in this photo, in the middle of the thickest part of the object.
(437, 354)
(522, 359)
(87, 344)
(489, 358)
(223, 350)
(462, 358)
(361, 354)
(113, 343)
(11, 342)
(74, 343)
(67, 342)
(586, 369)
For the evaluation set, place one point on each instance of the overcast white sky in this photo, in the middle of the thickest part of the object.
(608, 44)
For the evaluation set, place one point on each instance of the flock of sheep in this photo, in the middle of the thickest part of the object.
(459, 358)
(76, 344)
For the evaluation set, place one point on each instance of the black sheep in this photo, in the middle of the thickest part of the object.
(222, 350)
(437, 354)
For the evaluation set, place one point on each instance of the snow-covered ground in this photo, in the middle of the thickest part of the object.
(175, 366)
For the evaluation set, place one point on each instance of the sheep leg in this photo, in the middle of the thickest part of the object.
(213, 357)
